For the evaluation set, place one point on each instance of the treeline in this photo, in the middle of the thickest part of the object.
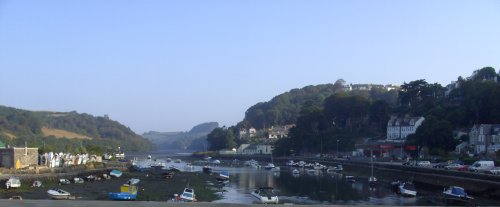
(18, 127)
(342, 119)
(286, 108)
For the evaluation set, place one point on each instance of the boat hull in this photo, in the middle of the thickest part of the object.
(266, 200)
(122, 196)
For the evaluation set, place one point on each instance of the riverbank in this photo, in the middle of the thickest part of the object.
(152, 187)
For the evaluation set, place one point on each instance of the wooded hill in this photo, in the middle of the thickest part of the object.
(67, 131)
(192, 140)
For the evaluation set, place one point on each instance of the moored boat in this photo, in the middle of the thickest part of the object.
(265, 195)
(350, 178)
(407, 189)
(13, 182)
(78, 180)
(63, 181)
(223, 177)
(115, 173)
(269, 166)
(188, 195)
(456, 195)
(295, 172)
(133, 181)
(207, 169)
(37, 183)
(127, 192)
(58, 194)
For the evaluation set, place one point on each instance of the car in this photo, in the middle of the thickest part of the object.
(454, 166)
(495, 171)
(482, 165)
(424, 164)
(440, 165)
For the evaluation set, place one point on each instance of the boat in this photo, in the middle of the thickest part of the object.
(456, 195)
(37, 183)
(115, 173)
(372, 180)
(58, 194)
(106, 176)
(216, 162)
(133, 181)
(91, 178)
(189, 167)
(188, 195)
(269, 166)
(78, 180)
(207, 169)
(295, 172)
(290, 163)
(177, 160)
(127, 192)
(407, 189)
(265, 195)
(13, 182)
(350, 178)
(174, 169)
(64, 181)
(223, 177)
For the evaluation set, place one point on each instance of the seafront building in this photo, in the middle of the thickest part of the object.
(18, 157)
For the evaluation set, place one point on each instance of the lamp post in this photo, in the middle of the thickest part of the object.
(338, 148)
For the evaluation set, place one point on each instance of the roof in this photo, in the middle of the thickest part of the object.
(407, 121)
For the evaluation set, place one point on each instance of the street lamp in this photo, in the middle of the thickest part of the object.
(338, 148)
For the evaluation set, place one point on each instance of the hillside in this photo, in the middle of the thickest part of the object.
(66, 131)
(194, 139)
(285, 108)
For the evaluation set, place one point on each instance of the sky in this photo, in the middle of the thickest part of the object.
(169, 65)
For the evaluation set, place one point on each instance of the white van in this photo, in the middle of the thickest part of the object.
(482, 165)
(424, 164)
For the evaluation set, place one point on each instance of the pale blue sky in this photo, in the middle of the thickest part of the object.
(168, 65)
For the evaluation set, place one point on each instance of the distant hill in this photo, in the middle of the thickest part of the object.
(66, 131)
(193, 140)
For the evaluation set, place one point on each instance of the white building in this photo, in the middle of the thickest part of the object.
(399, 128)
(485, 138)
(254, 149)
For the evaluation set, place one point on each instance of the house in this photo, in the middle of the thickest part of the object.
(254, 149)
(485, 138)
(278, 132)
(399, 128)
(18, 157)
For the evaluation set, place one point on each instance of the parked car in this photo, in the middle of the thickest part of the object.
(482, 166)
(456, 166)
(424, 164)
(440, 165)
(495, 171)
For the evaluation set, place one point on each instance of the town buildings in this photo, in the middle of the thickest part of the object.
(485, 138)
(18, 157)
(399, 128)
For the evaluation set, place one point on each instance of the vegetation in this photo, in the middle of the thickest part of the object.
(329, 117)
(193, 140)
(53, 131)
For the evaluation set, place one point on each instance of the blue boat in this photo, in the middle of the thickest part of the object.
(127, 193)
(115, 173)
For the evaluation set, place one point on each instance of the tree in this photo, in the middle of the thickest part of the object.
(221, 138)
(435, 134)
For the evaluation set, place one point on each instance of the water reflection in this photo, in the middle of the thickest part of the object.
(308, 187)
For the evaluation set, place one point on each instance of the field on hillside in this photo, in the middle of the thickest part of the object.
(59, 133)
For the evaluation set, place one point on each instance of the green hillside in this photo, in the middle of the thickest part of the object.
(71, 131)
(195, 139)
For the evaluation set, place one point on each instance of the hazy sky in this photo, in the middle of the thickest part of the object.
(168, 65)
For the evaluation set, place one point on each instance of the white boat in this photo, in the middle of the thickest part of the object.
(295, 172)
(188, 195)
(269, 166)
(106, 176)
(455, 192)
(133, 181)
(372, 180)
(290, 163)
(78, 180)
(177, 160)
(216, 162)
(266, 195)
(63, 181)
(350, 178)
(407, 189)
(13, 182)
(37, 183)
(58, 194)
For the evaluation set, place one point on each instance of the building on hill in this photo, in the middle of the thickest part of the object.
(399, 128)
(18, 157)
(368, 87)
(278, 132)
(485, 138)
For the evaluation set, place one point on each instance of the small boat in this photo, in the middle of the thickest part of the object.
(266, 195)
(58, 194)
(177, 160)
(207, 169)
(290, 163)
(13, 182)
(456, 195)
(188, 195)
(106, 176)
(223, 177)
(91, 178)
(295, 172)
(78, 180)
(216, 162)
(269, 166)
(64, 181)
(115, 173)
(133, 181)
(37, 183)
(407, 189)
(127, 192)
(174, 169)
(350, 178)
(169, 160)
